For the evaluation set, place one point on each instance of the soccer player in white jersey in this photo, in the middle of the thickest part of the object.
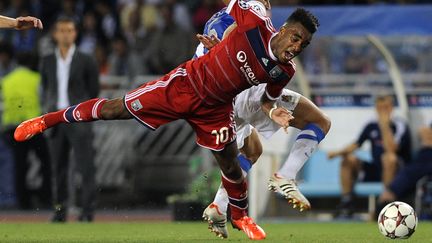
(20, 23)
(250, 120)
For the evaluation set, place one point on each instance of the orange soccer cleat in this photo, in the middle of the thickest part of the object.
(247, 225)
(27, 129)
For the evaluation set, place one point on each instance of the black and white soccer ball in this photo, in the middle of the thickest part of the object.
(397, 220)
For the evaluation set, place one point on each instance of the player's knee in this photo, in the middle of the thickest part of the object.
(349, 160)
(231, 170)
(324, 123)
(254, 155)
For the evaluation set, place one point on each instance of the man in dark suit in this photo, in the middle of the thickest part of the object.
(68, 77)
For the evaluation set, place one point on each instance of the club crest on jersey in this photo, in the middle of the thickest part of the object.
(287, 98)
(246, 68)
(136, 105)
(275, 72)
(243, 4)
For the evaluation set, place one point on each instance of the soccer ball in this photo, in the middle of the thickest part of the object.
(397, 220)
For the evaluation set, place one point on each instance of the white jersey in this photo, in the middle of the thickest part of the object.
(248, 113)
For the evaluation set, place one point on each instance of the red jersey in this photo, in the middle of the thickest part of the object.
(241, 60)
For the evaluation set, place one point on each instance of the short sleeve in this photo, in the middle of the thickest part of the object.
(274, 90)
(245, 14)
(364, 135)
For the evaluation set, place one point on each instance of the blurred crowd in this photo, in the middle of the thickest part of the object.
(128, 37)
(356, 55)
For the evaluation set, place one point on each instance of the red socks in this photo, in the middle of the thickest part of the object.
(83, 112)
(237, 195)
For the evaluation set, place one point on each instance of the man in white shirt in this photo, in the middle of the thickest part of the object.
(69, 77)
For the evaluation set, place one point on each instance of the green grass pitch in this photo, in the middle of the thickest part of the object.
(197, 232)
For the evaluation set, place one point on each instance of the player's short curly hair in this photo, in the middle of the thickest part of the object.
(306, 18)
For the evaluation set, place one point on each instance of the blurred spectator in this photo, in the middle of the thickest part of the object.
(138, 18)
(123, 62)
(170, 45)
(408, 63)
(69, 77)
(354, 61)
(101, 56)
(390, 147)
(181, 14)
(49, 12)
(15, 6)
(7, 183)
(138, 21)
(24, 41)
(314, 58)
(7, 63)
(46, 45)
(89, 33)
(406, 179)
(20, 90)
(69, 9)
(108, 22)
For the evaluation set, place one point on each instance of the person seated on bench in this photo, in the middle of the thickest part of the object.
(390, 147)
(406, 179)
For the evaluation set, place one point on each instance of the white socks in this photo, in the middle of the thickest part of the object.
(304, 146)
(221, 199)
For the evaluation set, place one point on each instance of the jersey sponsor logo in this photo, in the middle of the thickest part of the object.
(265, 61)
(136, 105)
(246, 69)
(241, 56)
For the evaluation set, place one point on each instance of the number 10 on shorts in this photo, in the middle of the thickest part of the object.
(222, 135)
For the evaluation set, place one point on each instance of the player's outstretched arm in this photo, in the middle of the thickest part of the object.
(20, 23)
(347, 150)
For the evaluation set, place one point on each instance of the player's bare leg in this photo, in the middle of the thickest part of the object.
(390, 166)
(216, 212)
(252, 147)
(90, 110)
(236, 187)
(314, 125)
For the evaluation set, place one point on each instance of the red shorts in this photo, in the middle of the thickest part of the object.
(171, 98)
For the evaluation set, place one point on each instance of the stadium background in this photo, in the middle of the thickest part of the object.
(342, 70)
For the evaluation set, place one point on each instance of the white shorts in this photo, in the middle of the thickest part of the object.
(248, 113)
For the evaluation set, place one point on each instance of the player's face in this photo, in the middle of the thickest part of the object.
(65, 33)
(294, 37)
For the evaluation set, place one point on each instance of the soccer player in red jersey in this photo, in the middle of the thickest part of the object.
(20, 23)
(201, 92)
